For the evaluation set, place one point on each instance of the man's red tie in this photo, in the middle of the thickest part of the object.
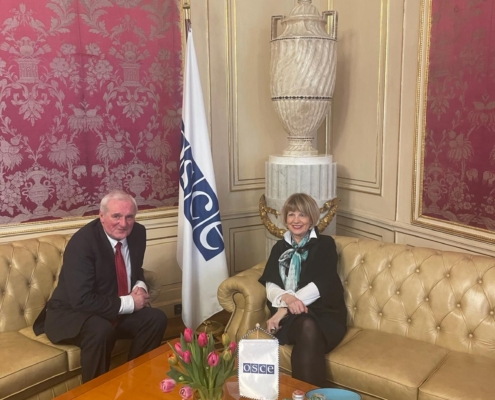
(121, 272)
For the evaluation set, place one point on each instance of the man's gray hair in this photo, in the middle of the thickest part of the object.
(116, 195)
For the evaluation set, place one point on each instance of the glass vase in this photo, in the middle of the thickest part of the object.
(215, 393)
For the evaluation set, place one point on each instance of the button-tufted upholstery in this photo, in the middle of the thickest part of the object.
(444, 298)
(31, 366)
(421, 321)
(28, 275)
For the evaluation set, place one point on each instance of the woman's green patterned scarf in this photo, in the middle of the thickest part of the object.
(289, 263)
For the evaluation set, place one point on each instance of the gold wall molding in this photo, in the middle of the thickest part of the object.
(372, 183)
(246, 247)
(437, 237)
(239, 179)
(345, 230)
(417, 218)
(11, 231)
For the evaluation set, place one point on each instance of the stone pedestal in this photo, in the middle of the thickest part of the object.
(313, 175)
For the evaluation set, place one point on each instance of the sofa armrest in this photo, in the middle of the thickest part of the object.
(245, 298)
(154, 284)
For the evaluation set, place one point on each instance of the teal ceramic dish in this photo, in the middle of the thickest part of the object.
(334, 394)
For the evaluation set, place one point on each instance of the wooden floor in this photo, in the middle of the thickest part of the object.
(175, 325)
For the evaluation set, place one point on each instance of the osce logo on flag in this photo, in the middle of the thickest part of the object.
(250, 368)
(200, 205)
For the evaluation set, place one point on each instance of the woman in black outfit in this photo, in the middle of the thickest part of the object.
(304, 291)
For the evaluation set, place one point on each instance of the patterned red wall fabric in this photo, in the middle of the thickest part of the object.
(90, 100)
(459, 153)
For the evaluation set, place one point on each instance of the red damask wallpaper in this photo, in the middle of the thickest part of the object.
(459, 153)
(90, 100)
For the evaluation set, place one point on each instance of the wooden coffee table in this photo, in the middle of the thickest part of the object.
(140, 379)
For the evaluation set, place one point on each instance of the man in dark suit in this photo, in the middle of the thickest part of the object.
(101, 295)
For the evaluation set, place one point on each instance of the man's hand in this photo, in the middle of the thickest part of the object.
(295, 305)
(141, 298)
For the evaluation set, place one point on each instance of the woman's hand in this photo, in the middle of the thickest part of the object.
(295, 305)
(272, 325)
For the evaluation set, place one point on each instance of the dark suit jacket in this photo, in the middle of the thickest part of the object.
(87, 283)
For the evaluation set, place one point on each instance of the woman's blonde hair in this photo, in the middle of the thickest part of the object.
(303, 203)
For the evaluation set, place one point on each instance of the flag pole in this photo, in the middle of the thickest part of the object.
(187, 17)
(202, 259)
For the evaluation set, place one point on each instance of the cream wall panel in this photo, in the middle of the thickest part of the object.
(21, 234)
(420, 241)
(247, 246)
(216, 68)
(168, 298)
(417, 236)
(160, 257)
(366, 104)
(408, 109)
(355, 228)
(358, 100)
(406, 233)
(254, 120)
(415, 39)
(209, 22)
(244, 238)
(162, 219)
(200, 20)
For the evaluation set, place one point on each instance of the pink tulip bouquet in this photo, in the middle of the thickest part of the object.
(199, 367)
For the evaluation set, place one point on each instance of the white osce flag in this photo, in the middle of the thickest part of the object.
(200, 246)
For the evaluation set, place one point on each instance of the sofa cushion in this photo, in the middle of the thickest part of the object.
(73, 352)
(57, 389)
(285, 351)
(26, 363)
(387, 365)
(461, 376)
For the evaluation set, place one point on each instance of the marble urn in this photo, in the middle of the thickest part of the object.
(302, 73)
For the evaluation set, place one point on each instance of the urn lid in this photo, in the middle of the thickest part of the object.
(305, 8)
(304, 21)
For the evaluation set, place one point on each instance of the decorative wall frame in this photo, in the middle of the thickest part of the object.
(454, 171)
(90, 101)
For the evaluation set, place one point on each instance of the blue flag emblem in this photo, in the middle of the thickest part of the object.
(200, 205)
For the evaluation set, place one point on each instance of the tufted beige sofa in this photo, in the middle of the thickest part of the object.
(30, 366)
(421, 321)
